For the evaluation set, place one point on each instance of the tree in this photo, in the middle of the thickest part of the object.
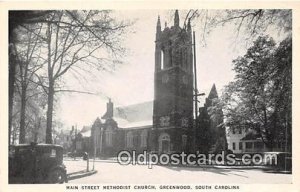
(34, 115)
(260, 97)
(17, 18)
(26, 59)
(75, 41)
(248, 23)
(256, 98)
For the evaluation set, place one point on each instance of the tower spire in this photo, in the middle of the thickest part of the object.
(158, 28)
(213, 92)
(176, 19)
(158, 25)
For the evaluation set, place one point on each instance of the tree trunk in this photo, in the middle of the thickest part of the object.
(23, 102)
(50, 90)
(11, 83)
(12, 71)
(22, 114)
(50, 113)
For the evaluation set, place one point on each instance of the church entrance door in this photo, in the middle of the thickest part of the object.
(165, 146)
(164, 143)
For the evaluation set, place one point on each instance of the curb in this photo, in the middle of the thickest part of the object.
(80, 174)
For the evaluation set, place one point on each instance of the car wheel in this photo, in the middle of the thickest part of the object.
(57, 176)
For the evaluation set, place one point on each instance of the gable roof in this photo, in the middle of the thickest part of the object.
(134, 116)
(86, 131)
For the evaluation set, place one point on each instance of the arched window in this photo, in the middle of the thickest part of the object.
(165, 138)
(144, 138)
(129, 139)
(108, 138)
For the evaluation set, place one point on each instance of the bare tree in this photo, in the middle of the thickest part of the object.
(248, 23)
(28, 112)
(76, 40)
(26, 58)
(17, 18)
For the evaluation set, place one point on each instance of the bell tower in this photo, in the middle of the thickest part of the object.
(173, 85)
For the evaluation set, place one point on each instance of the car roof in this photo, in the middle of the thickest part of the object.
(42, 145)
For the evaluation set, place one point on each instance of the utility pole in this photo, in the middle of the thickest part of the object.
(196, 94)
(195, 76)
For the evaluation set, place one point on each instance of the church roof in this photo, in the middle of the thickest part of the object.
(134, 116)
(85, 128)
(86, 134)
(97, 122)
(124, 124)
(86, 131)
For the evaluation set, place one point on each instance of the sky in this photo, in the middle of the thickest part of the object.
(132, 82)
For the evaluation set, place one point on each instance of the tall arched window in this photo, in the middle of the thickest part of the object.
(129, 139)
(162, 60)
(144, 138)
(108, 138)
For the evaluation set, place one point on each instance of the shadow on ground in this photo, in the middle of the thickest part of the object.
(216, 170)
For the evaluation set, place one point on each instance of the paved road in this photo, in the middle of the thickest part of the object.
(140, 174)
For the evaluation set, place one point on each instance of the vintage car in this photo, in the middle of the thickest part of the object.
(36, 163)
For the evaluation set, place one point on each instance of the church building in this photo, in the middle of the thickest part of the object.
(173, 88)
(166, 124)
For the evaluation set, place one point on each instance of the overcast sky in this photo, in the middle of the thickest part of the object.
(133, 81)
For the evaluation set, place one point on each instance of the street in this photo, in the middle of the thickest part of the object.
(111, 172)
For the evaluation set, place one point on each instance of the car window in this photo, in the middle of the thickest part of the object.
(46, 152)
(24, 153)
(53, 153)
